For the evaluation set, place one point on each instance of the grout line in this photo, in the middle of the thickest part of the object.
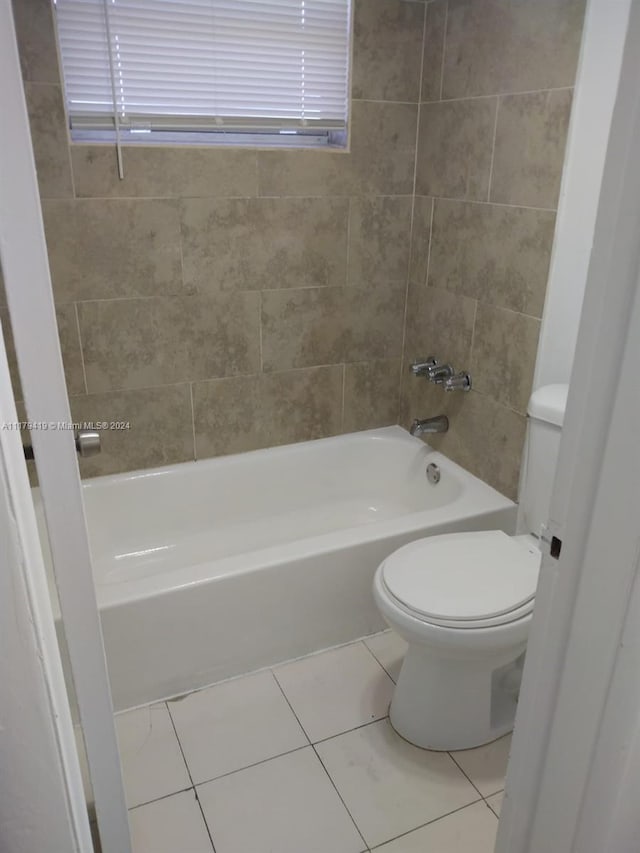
(493, 149)
(193, 422)
(444, 46)
(286, 699)
(378, 660)
(505, 94)
(411, 225)
(159, 799)
(473, 335)
(428, 823)
(495, 203)
(260, 315)
(195, 790)
(471, 782)
(335, 788)
(354, 729)
(84, 372)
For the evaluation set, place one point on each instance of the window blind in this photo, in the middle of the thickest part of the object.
(199, 65)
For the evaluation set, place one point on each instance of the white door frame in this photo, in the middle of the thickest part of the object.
(42, 804)
(576, 736)
(30, 298)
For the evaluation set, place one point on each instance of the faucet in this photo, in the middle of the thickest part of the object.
(433, 370)
(429, 426)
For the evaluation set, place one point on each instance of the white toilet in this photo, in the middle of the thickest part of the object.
(464, 601)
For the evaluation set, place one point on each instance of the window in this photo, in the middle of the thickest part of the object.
(261, 71)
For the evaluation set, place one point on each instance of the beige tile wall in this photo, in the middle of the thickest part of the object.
(496, 96)
(224, 299)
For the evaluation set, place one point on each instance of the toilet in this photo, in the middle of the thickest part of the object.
(464, 601)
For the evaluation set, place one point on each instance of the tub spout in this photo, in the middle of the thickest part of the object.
(429, 426)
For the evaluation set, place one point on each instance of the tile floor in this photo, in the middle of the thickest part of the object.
(302, 759)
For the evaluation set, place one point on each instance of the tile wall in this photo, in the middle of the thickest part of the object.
(222, 300)
(496, 96)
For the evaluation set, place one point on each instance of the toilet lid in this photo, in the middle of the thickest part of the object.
(463, 576)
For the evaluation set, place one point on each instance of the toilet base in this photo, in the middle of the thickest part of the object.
(450, 703)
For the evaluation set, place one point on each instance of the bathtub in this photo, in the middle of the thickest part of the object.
(209, 569)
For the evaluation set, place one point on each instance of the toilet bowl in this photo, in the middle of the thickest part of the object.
(463, 602)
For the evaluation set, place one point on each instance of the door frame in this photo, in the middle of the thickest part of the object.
(29, 295)
(566, 752)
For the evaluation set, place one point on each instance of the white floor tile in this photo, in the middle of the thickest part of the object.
(470, 830)
(389, 649)
(390, 786)
(152, 764)
(486, 766)
(286, 805)
(495, 802)
(336, 691)
(235, 724)
(171, 825)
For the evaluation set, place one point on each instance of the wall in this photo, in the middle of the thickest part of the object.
(494, 112)
(227, 299)
(598, 72)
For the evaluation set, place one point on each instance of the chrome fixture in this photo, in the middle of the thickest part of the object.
(422, 368)
(433, 473)
(430, 426)
(441, 374)
(459, 382)
(87, 442)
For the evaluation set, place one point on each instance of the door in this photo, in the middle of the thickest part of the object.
(30, 301)
(572, 780)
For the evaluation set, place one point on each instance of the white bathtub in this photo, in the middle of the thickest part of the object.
(209, 569)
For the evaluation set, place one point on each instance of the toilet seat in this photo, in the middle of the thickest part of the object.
(464, 580)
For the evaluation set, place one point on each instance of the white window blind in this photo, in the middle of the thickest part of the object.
(202, 65)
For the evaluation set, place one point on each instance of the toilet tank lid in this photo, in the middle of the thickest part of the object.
(548, 404)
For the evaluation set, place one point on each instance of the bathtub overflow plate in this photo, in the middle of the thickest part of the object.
(433, 473)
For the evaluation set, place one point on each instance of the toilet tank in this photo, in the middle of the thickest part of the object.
(544, 428)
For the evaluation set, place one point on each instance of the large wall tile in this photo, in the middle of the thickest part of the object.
(264, 242)
(387, 43)
(530, 141)
(227, 416)
(70, 347)
(371, 394)
(379, 238)
(160, 433)
(380, 161)
(484, 436)
(504, 355)
(301, 328)
(100, 249)
(164, 171)
(499, 46)
(133, 343)
(50, 140)
(420, 239)
(383, 145)
(433, 50)
(454, 148)
(499, 255)
(300, 405)
(294, 405)
(373, 321)
(36, 40)
(439, 324)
